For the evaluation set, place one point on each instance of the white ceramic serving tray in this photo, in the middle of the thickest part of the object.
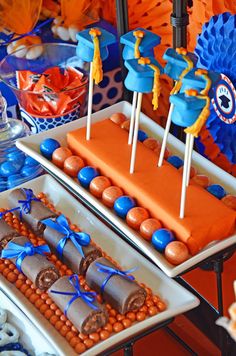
(30, 337)
(30, 145)
(177, 298)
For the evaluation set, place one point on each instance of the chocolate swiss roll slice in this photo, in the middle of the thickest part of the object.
(116, 287)
(80, 307)
(6, 233)
(31, 261)
(76, 251)
(31, 209)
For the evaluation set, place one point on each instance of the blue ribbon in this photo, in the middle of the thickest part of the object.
(30, 33)
(113, 272)
(20, 252)
(26, 203)
(88, 297)
(61, 225)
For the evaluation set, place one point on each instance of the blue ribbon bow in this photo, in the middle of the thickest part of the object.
(20, 252)
(33, 32)
(113, 272)
(26, 203)
(88, 297)
(61, 225)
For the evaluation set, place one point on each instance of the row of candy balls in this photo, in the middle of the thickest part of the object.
(124, 206)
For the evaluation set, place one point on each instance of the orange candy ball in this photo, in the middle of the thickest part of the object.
(80, 348)
(60, 155)
(230, 201)
(201, 179)
(140, 316)
(117, 327)
(104, 334)
(136, 216)
(176, 252)
(73, 165)
(193, 171)
(110, 194)
(125, 125)
(118, 118)
(148, 227)
(152, 143)
(98, 185)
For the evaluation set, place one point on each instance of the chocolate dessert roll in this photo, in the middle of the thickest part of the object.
(77, 258)
(33, 265)
(32, 210)
(80, 307)
(117, 287)
(6, 233)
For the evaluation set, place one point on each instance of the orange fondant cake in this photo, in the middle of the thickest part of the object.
(158, 189)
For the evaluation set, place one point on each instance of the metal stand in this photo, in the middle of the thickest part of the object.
(179, 22)
(122, 28)
(205, 315)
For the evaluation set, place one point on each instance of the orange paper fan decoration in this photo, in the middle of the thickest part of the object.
(19, 16)
(201, 12)
(80, 13)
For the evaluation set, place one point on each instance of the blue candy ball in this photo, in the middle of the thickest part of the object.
(86, 175)
(176, 161)
(14, 180)
(27, 171)
(8, 168)
(48, 146)
(16, 156)
(3, 184)
(161, 238)
(123, 204)
(29, 161)
(142, 135)
(216, 190)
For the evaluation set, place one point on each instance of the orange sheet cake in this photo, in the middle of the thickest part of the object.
(157, 189)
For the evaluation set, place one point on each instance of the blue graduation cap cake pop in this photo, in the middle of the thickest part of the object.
(141, 74)
(92, 47)
(194, 79)
(86, 38)
(139, 43)
(143, 77)
(187, 107)
(177, 61)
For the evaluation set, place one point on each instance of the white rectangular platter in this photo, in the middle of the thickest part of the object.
(177, 298)
(30, 145)
(30, 337)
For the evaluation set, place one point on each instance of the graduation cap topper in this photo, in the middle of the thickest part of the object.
(144, 77)
(92, 47)
(191, 107)
(139, 43)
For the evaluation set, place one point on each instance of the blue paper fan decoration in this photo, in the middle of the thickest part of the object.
(216, 51)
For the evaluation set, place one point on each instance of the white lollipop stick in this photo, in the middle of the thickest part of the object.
(135, 138)
(167, 130)
(184, 179)
(90, 103)
(190, 158)
(132, 119)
